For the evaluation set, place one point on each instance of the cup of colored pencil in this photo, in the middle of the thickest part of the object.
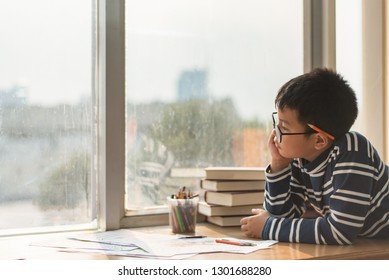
(183, 211)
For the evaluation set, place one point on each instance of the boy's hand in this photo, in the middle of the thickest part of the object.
(252, 226)
(278, 162)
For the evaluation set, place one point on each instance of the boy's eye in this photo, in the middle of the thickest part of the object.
(284, 128)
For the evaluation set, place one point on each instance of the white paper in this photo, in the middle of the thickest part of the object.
(131, 243)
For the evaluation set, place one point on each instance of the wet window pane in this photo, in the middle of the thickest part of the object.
(201, 77)
(46, 139)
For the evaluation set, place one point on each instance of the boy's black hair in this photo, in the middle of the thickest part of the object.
(323, 98)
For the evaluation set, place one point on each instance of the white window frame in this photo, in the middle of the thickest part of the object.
(386, 79)
(373, 75)
(111, 106)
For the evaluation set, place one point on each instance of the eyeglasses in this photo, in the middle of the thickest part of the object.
(315, 129)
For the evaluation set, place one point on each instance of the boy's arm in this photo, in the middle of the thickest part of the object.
(279, 201)
(284, 195)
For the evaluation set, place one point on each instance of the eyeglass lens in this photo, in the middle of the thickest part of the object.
(275, 126)
(278, 134)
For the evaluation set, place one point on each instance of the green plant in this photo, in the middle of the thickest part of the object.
(67, 185)
(186, 127)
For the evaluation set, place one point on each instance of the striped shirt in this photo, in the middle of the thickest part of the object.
(347, 185)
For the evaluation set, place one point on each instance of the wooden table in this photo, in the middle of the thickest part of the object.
(19, 248)
(362, 249)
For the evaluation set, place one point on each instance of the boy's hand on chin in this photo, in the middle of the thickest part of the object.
(278, 162)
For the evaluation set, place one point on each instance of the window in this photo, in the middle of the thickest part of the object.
(349, 45)
(360, 58)
(46, 119)
(201, 77)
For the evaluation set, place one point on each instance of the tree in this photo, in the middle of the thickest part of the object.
(187, 127)
(67, 185)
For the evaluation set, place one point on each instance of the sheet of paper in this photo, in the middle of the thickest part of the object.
(170, 245)
(107, 243)
(137, 244)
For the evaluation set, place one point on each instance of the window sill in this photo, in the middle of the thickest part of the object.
(155, 219)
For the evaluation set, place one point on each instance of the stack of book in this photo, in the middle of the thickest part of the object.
(229, 193)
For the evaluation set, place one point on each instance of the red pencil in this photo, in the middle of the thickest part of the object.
(236, 243)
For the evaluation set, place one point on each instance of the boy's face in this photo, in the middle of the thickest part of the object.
(298, 145)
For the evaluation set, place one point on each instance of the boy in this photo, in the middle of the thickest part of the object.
(316, 160)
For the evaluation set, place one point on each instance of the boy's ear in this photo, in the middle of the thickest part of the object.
(321, 141)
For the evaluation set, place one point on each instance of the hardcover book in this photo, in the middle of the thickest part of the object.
(235, 173)
(227, 221)
(234, 198)
(219, 210)
(233, 185)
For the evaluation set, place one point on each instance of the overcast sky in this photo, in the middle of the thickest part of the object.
(249, 48)
(41, 51)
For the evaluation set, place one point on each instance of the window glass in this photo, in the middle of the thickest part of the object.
(46, 138)
(349, 46)
(201, 77)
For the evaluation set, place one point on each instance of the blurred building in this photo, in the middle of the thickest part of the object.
(192, 85)
(13, 97)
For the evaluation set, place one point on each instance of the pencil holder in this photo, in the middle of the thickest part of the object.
(182, 214)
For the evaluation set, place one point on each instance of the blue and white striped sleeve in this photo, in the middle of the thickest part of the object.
(284, 196)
